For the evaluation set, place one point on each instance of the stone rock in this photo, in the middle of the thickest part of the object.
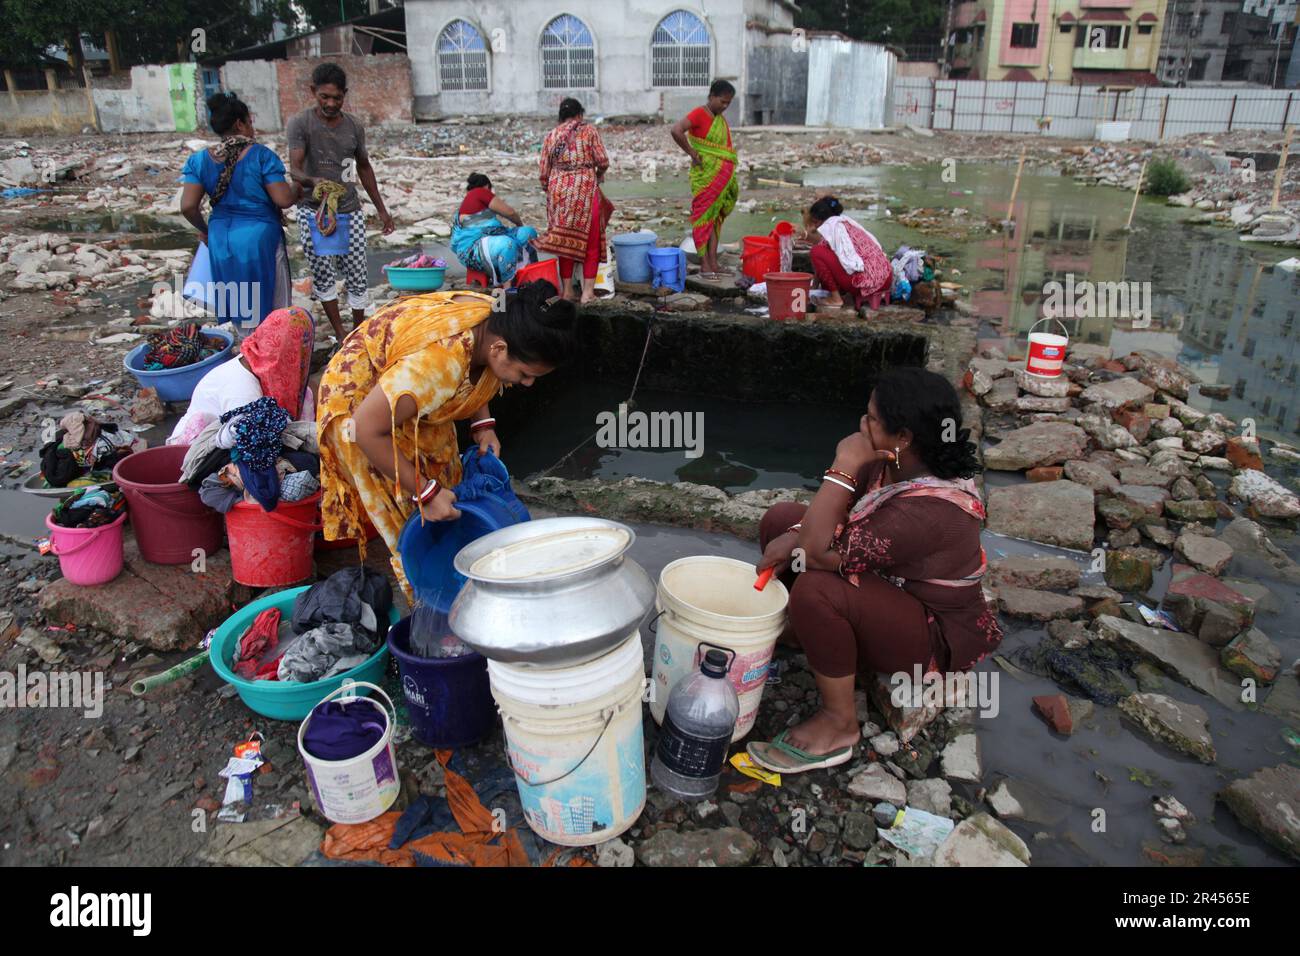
(1002, 395)
(1137, 424)
(1209, 554)
(1180, 726)
(1142, 475)
(1268, 802)
(1266, 496)
(147, 409)
(1211, 463)
(1199, 510)
(859, 830)
(1037, 605)
(1178, 655)
(905, 721)
(164, 607)
(933, 795)
(1244, 453)
(1086, 353)
(980, 841)
(885, 744)
(1151, 500)
(727, 846)
(1004, 804)
(1118, 393)
(1120, 515)
(961, 759)
(1048, 573)
(1184, 490)
(1124, 539)
(1045, 473)
(1252, 655)
(1106, 433)
(1055, 709)
(1284, 699)
(1053, 512)
(1071, 634)
(1166, 379)
(1058, 387)
(1156, 412)
(1046, 443)
(876, 783)
(1129, 569)
(1091, 475)
(1208, 442)
(615, 853)
(1249, 541)
(1167, 430)
(1191, 597)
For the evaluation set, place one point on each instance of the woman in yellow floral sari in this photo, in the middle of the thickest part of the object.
(389, 401)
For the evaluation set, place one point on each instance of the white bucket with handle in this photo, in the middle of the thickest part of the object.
(711, 600)
(360, 788)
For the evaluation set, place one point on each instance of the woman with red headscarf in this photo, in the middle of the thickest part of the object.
(274, 361)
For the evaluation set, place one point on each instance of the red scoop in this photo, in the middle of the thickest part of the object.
(763, 577)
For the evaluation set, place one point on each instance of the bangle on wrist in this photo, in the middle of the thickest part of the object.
(430, 491)
(482, 423)
(838, 481)
(794, 527)
(842, 474)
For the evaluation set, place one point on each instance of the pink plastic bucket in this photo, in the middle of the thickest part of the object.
(88, 556)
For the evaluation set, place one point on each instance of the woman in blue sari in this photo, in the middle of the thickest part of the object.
(243, 233)
(479, 238)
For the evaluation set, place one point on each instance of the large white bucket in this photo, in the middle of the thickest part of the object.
(708, 599)
(574, 739)
(363, 787)
(1046, 354)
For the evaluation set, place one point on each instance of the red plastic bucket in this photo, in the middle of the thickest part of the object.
(1046, 351)
(169, 519)
(787, 294)
(273, 548)
(548, 269)
(759, 255)
(88, 556)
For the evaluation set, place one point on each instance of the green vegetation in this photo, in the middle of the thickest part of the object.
(1166, 178)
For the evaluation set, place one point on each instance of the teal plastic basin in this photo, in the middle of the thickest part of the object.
(428, 279)
(289, 700)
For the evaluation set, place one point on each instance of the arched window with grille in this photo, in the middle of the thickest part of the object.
(462, 57)
(680, 51)
(568, 55)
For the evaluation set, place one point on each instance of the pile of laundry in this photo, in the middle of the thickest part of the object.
(912, 267)
(180, 346)
(253, 453)
(82, 452)
(90, 508)
(418, 260)
(336, 624)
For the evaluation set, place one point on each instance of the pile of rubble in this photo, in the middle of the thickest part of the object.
(1120, 465)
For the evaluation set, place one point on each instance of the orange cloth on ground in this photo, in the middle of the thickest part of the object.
(478, 844)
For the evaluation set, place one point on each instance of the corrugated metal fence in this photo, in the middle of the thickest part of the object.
(1055, 109)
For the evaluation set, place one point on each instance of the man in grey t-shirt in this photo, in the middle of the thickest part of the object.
(326, 144)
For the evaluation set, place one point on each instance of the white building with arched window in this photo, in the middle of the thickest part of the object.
(651, 57)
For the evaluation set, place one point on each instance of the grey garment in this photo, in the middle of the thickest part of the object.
(203, 446)
(300, 436)
(298, 485)
(323, 652)
(217, 495)
(328, 148)
(283, 297)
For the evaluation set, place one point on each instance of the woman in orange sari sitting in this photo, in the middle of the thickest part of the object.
(705, 137)
(390, 399)
(573, 165)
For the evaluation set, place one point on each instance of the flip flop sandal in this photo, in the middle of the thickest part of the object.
(781, 757)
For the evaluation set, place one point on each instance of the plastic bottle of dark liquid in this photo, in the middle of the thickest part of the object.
(698, 723)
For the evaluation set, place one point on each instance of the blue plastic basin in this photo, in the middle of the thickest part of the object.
(177, 384)
(429, 279)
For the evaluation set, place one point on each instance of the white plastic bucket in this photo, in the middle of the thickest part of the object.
(574, 739)
(605, 272)
(1046, 351)
(709, 599)
(361, 788)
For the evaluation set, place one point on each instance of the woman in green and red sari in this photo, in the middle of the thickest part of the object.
(705, 137)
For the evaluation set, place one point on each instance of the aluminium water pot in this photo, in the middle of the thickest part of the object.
(552, 592)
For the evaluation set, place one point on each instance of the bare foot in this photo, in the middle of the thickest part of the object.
(823, 733)
(587, 298)
(833, 302)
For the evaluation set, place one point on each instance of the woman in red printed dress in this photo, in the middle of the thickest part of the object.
(892, 561)
(847, 259)
(573, 165)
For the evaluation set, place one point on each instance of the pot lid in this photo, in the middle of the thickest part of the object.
(544, 550)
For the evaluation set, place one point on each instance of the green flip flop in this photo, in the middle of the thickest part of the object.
(781, 757)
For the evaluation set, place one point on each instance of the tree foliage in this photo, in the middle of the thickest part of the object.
(878, 21)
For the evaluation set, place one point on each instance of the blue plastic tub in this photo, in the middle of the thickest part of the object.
(289, 700)
(668, 267)
(336, 243)
(177, 384)
(429, 548)
(448, 700)
(196, 286)
(632, 254)
(417, 280)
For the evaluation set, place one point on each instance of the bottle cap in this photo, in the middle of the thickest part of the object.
(715, 664)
